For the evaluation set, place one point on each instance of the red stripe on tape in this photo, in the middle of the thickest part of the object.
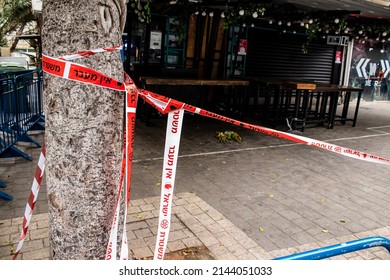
(53, 66)
(31, 200)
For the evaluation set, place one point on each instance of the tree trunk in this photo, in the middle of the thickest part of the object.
(83, 128)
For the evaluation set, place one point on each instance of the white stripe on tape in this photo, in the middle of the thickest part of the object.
(27, 214)
(67, 69)
(35, 189)
(42, 163)
(172, 142)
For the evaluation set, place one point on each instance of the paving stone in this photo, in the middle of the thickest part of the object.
(142, 233)
(207, 238)
(42, 254)
(142, 252)
(39, 233)
(191, 242)
(176, 245)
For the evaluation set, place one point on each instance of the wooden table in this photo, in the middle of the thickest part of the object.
(234, 102)
(191, 82)
(334, 92)
(288, 100)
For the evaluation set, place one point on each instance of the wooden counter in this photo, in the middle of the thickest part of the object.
(192, 82)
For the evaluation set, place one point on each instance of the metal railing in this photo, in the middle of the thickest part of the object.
(20, 110)
(340, 249)
(4, 195)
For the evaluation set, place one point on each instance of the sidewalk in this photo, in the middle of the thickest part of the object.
(260, 199)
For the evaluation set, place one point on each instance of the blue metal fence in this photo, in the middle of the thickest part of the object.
(4, 195)
(20, 110)
(340, 249)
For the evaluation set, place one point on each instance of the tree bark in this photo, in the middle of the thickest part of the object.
(83, 128)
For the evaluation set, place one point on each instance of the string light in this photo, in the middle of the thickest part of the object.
(312, 26)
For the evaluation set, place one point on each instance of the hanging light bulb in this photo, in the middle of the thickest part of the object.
(244, 25)
(310, 21)
(279, 22)
(211, 14)
(204, 13)
(288, 23)
(241, 12)
(223, 15)
(271, 22)
(302, 24)
(252, 25)
(197, 13)
(336, 21)
(255, 15)
(360, 32)
(294, 32)
(384, 34)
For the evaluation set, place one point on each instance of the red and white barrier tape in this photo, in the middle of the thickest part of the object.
(111, 250)
(32, 199)
(164, 105)
(131, 105)
(80, 73)
(172, 143)
(88, 53)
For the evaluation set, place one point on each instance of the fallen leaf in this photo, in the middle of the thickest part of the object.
(271, 195)
(261, 229)
(139, 217)
(342, 221)
(187, 251)
(325, 231)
